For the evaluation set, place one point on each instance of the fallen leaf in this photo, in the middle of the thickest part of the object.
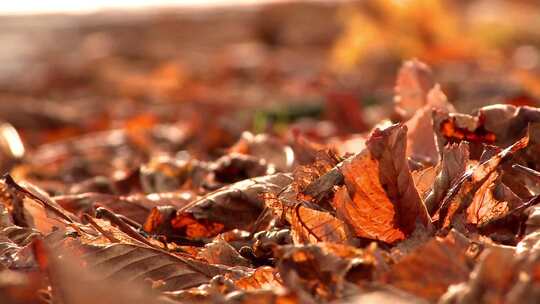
(429, 270)
(236, 206)
(262, 278)
(420, 139)
(312, 226)
(454, 163)
(461, 195)
(413, 82)
(380, 201)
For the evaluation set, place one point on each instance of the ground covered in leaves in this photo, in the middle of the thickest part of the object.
(430, 206)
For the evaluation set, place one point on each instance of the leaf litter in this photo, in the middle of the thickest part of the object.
(434, 206)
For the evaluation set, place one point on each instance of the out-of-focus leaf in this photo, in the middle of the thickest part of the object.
(420, 138)
(429, 270)
(413, 83)
(345, 111)
(386, 295)
(380, 200)
(74, 281)
(266, 148)
(18, 287)
(235, 167)
(131, 262)
(488, 284)
(265, 297)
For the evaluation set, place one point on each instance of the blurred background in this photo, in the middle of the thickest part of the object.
(215, 68)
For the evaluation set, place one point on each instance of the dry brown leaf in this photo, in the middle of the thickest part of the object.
(73, 281)
(424, 179)
(454, 163)
(311, 226)
(492, 200)
(221, 252)
(460, 197)
(305, 175)
(380, 201)
(236, 206)
(135, 207)
(316, 271)
(133, 262)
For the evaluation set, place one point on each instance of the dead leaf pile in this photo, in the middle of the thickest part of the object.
(434, 207)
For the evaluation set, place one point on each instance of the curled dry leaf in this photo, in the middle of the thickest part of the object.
(232, 207)
(313, 269)
(492, 201)
(424, 180)
(380, 200)
(305, 175)
(33, 208)
(462, 194)
(14, 242)
(454, 163)
(501, 125)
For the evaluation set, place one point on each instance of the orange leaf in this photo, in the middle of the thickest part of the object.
(382, 202)
(313, 226)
